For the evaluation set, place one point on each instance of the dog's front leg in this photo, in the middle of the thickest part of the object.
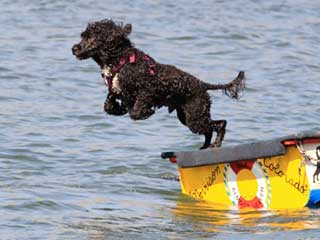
(142, 108)
(111, 106)
(220, 127)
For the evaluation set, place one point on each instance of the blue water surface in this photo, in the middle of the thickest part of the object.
(69, 171)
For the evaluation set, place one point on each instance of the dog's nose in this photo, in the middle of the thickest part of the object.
(75, 49)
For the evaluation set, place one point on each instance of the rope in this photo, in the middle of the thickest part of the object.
(306, 157)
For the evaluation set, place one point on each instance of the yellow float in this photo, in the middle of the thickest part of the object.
(276, 174)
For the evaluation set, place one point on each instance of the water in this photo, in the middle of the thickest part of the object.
(68, 171)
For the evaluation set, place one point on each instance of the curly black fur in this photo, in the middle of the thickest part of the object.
(143, 85)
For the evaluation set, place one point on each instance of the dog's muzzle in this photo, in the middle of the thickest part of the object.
(76, 49)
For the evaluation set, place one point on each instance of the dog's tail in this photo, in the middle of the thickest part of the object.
(231, 89)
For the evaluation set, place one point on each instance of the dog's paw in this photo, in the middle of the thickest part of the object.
(215, 145)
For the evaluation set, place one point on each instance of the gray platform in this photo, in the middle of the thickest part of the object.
(247, 151)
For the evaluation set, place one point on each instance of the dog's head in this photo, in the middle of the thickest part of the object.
(101, 39)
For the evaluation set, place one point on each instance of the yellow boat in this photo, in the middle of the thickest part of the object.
(276, 174)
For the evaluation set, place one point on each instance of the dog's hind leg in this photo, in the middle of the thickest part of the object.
(196, 115)
(220, 127)
(142, 108)
(181, 116)
(207, 141)
(208, 135)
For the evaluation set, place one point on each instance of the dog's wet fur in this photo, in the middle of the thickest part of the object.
(139, 91)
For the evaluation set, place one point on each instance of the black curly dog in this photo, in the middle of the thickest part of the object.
(138, 84)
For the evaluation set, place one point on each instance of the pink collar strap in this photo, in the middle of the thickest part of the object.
(123, 61)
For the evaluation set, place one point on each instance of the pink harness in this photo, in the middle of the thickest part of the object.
(123, 61)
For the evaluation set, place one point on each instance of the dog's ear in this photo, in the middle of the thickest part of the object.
(127, 29)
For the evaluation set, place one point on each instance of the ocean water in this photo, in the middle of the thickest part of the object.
(69, 171)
